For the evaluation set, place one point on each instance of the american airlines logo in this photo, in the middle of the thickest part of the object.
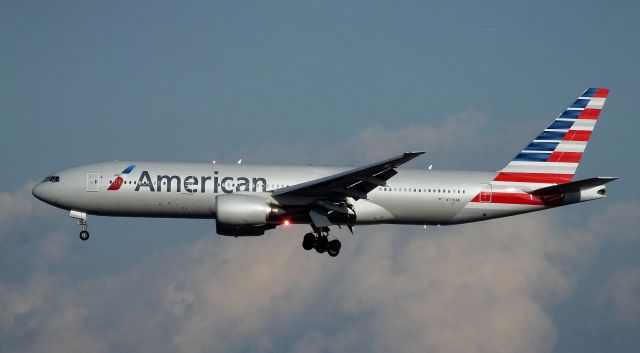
(194, 184)
(117, 183)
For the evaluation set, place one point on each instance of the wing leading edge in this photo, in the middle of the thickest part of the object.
(355, 183)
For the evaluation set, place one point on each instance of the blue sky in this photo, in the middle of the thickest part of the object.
(327, 83)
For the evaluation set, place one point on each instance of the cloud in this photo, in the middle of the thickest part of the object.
(467, 289)
(620, 223)
(15, 208)
(470, 288)
(621, 296)
(461, 139)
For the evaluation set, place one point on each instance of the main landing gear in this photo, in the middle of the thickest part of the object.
(320, 241)
(82, 221)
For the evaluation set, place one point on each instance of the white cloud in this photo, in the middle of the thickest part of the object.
(463, 138)
(474, 288)
(620, 222)
(15, 208)
(18, 207)
(467, 289)
(470, 289)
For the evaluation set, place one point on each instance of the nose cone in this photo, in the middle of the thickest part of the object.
(46, 192)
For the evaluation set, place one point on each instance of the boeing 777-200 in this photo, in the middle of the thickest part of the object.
(247, 200)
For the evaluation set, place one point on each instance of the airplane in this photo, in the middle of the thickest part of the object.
(247, 200)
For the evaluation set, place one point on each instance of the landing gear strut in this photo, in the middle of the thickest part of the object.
(82, 221)
(320, 241)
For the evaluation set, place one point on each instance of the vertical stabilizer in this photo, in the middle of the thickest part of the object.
(554, 155)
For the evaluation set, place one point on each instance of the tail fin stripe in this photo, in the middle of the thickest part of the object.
(577, 135)
(587, 113)
(569, 157)
(554, 155)
(590, 113)
(571, 146)
(580, 103)
(602, 93)
(583, 124)
(551, 135)
(591, 92)
(570, 114)
(596, 103)
(542, 146)
(532, 157)
(560, 125)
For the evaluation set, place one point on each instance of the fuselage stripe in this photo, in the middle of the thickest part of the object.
(546, 178)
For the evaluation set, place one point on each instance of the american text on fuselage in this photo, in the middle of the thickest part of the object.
(192, 183)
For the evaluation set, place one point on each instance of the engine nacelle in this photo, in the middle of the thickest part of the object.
(243, 215)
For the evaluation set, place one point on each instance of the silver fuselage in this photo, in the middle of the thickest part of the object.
(189, 190)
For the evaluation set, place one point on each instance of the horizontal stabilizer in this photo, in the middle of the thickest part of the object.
(572, 186)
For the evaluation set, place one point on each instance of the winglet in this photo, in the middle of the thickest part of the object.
(407, 156)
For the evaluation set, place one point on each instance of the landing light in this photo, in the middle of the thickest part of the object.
(286, 222)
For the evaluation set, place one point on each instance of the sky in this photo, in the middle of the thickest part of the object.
(311, 82)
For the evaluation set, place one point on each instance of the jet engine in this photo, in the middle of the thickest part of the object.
(244, 215)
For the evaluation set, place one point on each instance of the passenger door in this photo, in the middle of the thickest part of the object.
(92, 182)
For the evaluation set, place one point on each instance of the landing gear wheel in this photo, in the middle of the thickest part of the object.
(333, 248)
(84, 235)
(309, 241)
(321, 244)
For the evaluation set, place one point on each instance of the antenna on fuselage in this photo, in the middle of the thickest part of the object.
(430, 166)
(240, 161)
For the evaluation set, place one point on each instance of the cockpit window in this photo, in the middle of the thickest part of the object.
(53, 179)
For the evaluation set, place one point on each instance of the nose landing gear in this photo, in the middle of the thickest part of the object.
(84, 235)
(82, 221)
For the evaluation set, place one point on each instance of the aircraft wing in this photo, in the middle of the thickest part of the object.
(355, 183)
